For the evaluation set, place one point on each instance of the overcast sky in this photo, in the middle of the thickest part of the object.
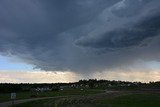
(81, 37)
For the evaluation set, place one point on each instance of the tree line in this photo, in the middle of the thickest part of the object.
(91, 83)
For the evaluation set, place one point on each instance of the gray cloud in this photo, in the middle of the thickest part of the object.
(125, 37)
(122, 32)
(81, 36)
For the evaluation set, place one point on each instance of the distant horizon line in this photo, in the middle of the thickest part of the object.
(76, 82)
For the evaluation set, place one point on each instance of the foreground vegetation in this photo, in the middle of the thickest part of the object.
(38, 103)
(133, 100)
(123, 99)
(86, 93)
(66, 92)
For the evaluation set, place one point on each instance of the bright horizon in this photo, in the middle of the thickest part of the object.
(18, 72)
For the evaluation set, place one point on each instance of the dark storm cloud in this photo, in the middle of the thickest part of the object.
(128, 31)
(79, 35)
(126, 37)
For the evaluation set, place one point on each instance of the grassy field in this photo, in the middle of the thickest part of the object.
(122, 99)
(133, 100)
(117, 99)
(26, 95)
(38, 103)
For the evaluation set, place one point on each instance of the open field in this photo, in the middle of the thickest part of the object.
(38, 103)
(27, 95)
(113, 99)
(133, 100)
(85, 93)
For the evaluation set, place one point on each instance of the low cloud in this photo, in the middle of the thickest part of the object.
(51, 77)
(37, 77)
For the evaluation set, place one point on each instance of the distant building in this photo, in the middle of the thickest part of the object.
(42, 89)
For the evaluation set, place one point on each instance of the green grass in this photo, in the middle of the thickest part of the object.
(38, 103)
(26, 95)
(21, 95)
(133, 100)
(124, 100)
(4, 97)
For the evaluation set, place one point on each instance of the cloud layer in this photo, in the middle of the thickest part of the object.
(80, 36)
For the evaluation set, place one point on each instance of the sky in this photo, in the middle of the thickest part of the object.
(68, 40)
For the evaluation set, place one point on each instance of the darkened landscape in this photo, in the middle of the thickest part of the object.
(85, 93)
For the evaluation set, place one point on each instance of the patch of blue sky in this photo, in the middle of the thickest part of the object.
(154, 64)
(10, 65)
(143, 65)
